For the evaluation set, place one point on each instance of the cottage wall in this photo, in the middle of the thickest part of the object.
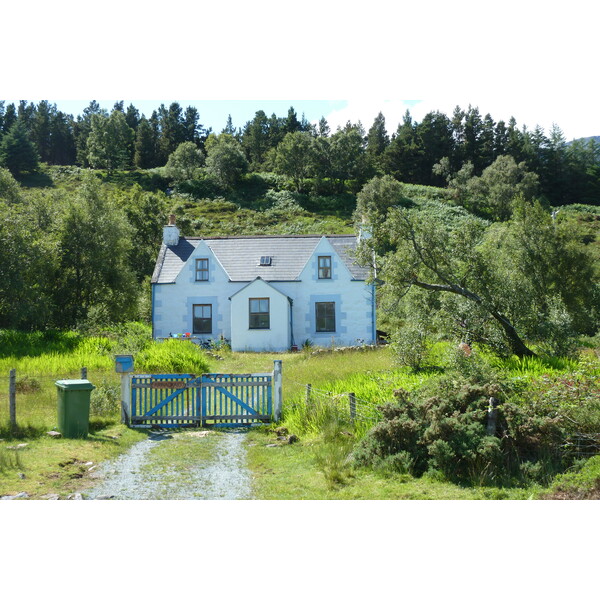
(172, 304)
(274, 339)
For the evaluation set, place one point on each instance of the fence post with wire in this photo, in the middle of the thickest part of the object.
(355, 409)
(12, 394)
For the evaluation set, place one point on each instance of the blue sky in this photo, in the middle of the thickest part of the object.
(214, 113)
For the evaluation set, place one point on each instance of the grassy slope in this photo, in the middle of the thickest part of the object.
(280, 472)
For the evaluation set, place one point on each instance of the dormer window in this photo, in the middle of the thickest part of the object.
(324, 267)
(266, 261)
(202, 269)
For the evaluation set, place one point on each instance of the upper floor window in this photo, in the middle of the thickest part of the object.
(259, 313)
(202, 269)
(202, 318)
(324, 267)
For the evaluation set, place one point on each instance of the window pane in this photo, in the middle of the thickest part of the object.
(202, 318)
(259, 313)
(202, 269)
(325, 316)
(324, 267)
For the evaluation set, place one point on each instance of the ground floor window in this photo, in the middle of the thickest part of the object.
(259, 313)
(325, 316)
(202, 321)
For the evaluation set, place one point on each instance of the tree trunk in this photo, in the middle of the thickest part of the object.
(517, 345)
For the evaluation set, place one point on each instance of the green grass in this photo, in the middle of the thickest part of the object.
(581, 484)
(59, 466)
(294, 472)
(315, 468)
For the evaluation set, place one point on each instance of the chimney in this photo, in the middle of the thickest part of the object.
(171, 233)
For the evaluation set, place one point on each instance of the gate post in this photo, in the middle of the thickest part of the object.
(126, 398)
(277, 389)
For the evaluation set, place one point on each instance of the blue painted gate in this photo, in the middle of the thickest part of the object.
(213, 399)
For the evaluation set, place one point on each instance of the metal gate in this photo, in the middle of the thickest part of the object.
(214, 399)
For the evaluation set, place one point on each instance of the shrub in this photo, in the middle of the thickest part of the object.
(442, 429)
(105, 400)
(412, 346)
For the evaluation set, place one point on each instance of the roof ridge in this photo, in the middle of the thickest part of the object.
(260, 237)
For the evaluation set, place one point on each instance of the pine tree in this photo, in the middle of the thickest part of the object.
(377, 141)
(229, 128)
(17, 152)
(145, 146)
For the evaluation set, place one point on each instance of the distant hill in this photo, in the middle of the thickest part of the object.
(596, 138)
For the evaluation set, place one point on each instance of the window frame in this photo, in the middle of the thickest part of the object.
(326, 317)
(204, 270)
(195, 330)
(324, 268)
(258, 318)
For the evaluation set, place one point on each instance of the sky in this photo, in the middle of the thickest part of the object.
(535, 60)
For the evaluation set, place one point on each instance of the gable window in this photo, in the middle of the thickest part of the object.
(202, 318)
(325, 316)
(202, 269)
(259, 313)
(324, 267)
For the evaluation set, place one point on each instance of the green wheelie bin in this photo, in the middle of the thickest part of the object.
(74, 407)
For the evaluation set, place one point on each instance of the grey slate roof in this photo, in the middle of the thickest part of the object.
(240, 256)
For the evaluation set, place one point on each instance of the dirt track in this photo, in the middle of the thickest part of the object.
(140, 475)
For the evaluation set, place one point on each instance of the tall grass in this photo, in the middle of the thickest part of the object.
(61, 355)
(370, 375)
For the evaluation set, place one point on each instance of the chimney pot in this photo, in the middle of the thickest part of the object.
(172, 219)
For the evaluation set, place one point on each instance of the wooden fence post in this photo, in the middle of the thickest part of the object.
(12, 398)
(125, 398)
(308, 392)
(277, 390)
(352, 400)
(83, 372)
(492, 416)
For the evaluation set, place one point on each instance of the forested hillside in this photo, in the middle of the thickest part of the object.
(85, 198)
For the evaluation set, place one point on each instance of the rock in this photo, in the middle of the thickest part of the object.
(16, 496)
(17, 447)
(54, 434)
(293, 438)
(272, 446)
(198, 433)
(88, 464)
(76, 496)
(105, 497)
(50, 497)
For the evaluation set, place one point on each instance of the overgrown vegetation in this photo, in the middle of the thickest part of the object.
(489, 246)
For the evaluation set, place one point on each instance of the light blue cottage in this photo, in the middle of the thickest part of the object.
(262, 293)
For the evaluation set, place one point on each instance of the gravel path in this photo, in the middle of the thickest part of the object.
(133, 476)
